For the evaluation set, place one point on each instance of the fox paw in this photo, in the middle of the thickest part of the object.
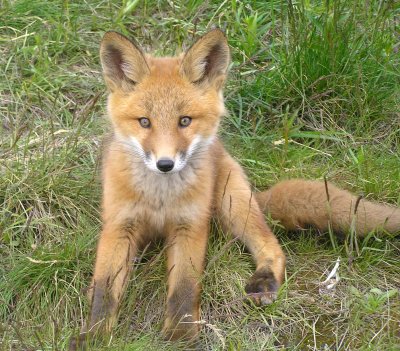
(262, 287)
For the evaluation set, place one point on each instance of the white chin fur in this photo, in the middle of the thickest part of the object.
(199, 144)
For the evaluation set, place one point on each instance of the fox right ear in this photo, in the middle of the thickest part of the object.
(123, 62)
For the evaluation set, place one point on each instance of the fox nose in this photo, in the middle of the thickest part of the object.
(165, 164)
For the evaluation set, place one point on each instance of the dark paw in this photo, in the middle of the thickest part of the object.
(262, 287)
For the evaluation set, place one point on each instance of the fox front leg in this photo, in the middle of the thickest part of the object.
(116, 248)
(240, 214)
(186, 248)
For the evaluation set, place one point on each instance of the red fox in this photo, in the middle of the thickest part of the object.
(166, 174)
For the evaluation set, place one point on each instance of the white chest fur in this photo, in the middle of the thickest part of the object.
(163, 197)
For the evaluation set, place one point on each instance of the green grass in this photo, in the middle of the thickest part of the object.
(314, 92)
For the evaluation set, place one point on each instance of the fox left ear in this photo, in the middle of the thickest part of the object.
(207, 60)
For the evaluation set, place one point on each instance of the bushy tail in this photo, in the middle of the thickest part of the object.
(300, 203)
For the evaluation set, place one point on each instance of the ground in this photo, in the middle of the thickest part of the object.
(313, 92)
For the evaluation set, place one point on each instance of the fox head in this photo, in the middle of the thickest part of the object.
(166, 110)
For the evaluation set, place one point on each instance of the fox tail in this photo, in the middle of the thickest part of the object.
(301, 203)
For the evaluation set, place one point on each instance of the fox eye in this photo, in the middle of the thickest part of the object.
(184, 121)
(144, 122)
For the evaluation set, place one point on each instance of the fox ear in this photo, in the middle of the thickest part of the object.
(207, 60)
(123, 62)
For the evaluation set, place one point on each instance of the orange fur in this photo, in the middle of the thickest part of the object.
(301, 203)
(165, 174)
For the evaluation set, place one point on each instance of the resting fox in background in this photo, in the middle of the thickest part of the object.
(166, 174)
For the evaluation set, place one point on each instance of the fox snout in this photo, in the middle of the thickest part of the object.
(166, 155)
(173, 160)
(165, 164)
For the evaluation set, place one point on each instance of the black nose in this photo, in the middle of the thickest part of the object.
(165, 164)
